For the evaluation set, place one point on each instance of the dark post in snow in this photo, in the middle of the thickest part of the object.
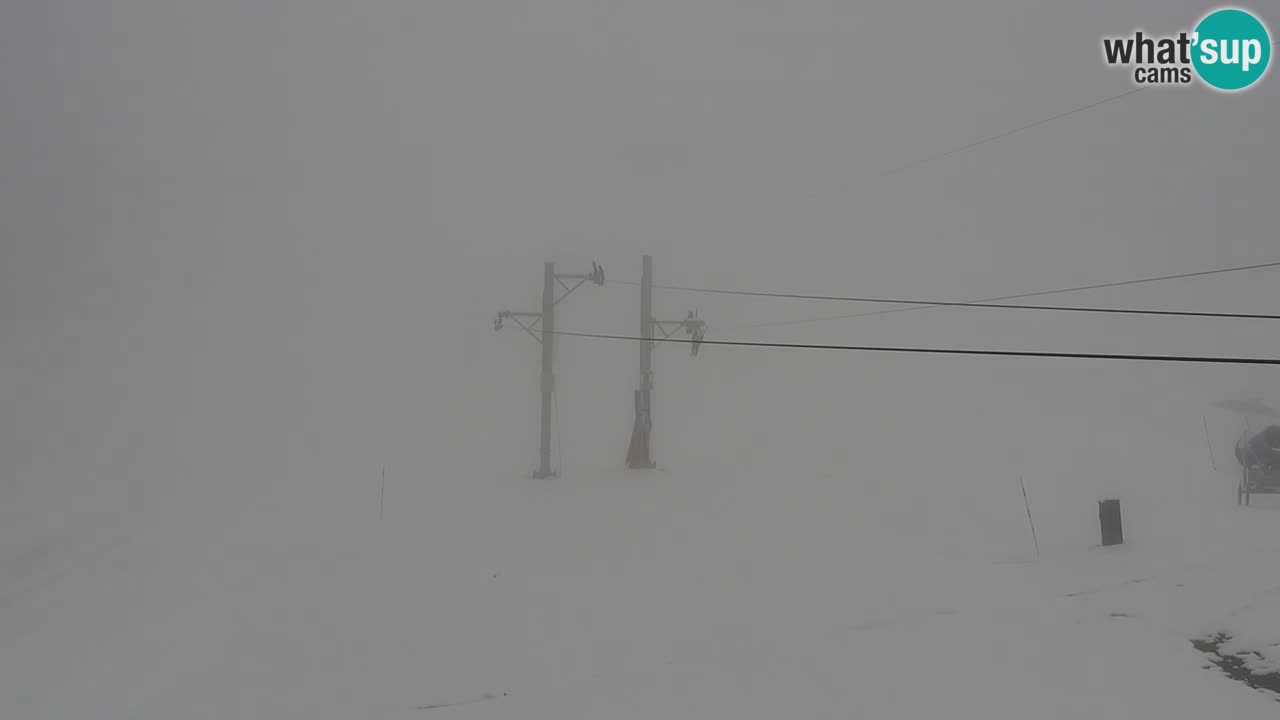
(547, 318)
(640, 451)
(1109, 519)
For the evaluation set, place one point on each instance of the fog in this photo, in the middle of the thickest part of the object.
(251, 255)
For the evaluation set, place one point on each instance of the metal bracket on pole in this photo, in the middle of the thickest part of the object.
(515, 317)
(695, 328)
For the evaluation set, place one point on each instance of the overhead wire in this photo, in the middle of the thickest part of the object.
(1014, 131)
(1000, 136)
(1195, 359)
(1015, 296)
(968, 146)
(988, 302)
(997, 305)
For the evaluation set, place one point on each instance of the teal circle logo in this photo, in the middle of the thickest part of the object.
(1232, 49)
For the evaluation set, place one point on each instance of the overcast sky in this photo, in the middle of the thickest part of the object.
(286, 226)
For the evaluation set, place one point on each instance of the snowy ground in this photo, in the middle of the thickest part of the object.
(816, 564)
(609, 595)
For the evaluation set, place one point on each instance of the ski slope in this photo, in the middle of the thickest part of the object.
(772, 568)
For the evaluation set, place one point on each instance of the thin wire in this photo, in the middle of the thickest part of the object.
(1000, 136)
(968, 146)
(1197, 359)
(1022, 128)
(978, 304)
(1042, 293)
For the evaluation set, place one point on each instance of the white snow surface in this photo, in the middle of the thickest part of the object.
(792, 572)
(1254, 633)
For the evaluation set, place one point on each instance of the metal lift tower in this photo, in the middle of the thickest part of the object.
(640, 452)
(547, 319)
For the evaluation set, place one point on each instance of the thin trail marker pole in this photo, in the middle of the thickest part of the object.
(1212, 464)
(382, 491)
(1030, 522)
